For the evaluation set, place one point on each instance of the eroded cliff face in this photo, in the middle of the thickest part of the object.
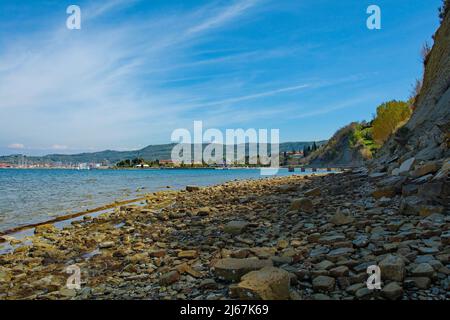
(415, 162)
(426, 135)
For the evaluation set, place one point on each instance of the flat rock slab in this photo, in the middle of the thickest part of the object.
(188, 254)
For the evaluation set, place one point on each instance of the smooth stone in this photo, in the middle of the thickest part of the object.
(324, 283)
(392, 291)
(423, 270)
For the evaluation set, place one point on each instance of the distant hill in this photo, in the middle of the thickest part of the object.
(349, 146)
(151, 152)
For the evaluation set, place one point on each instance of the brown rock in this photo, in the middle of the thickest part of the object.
(268, 283)
(169, 278)
(429, 167)
(313, 192)
(185, 268)
(205, 211)
(157, 253)
(428, 210)
(106, 244)
(188, 254)
(232, 269)
(192, 188)
(302, 204)
(45, 228)
(387, 192)
(263, 252)
(339, 271)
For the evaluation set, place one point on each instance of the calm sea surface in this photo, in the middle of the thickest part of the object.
(30, 196)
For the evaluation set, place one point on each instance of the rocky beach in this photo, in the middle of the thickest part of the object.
(376, 228)
(295, 237)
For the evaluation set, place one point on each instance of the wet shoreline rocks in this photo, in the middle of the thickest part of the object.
(295, 237)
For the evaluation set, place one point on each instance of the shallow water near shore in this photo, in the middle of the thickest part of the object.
(30, 195)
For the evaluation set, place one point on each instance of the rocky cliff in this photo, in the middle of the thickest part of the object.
(426, 135)
(415, 162)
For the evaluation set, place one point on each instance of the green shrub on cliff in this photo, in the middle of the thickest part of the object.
(362, 136)
(390, 116)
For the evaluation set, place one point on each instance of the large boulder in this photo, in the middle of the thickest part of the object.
(268, 283)
(392, 268)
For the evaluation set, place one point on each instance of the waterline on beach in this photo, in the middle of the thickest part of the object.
(33, 196)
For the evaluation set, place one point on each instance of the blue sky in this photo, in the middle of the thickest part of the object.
(137, 70)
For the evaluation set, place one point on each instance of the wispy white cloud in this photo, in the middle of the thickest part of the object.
(224, 15)
(90, 87)
(104, 7)
(253, 96)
